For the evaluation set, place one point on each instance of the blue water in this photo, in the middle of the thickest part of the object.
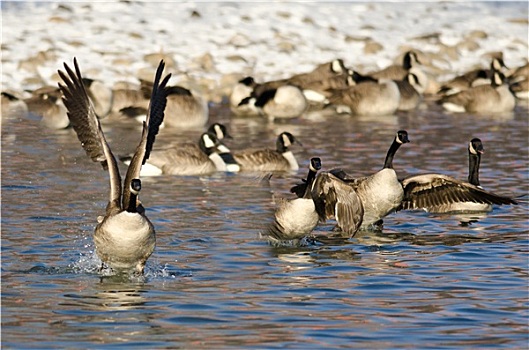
(426, 281)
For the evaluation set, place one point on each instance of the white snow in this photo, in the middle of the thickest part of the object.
(268, 40)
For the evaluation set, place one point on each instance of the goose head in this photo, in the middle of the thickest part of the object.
(220, 131)
(284, 141)
(134, 203)
(410, 60)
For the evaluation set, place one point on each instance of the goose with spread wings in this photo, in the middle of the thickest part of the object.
(438, 193)
(124, 237)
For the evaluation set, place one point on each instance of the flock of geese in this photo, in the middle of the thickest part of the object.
(125, 238)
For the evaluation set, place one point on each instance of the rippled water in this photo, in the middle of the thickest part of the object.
(426, 281)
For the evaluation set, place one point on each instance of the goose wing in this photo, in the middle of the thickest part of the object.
(431, 190)
(151, 126)
(261, 159)
(335, 198)
(86, 124)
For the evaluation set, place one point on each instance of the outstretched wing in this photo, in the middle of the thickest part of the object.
(151, 126)
(432, 190)
(86, 124)
(335, 198)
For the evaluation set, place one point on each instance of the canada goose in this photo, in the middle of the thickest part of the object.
(243, 89)
(409, 88)
(46, 102)
(398, 71)
(437, 193)
(296, 218)
(280, 159)
(321, 72)
(283, 102)
(318, 91)
(184, 109)
(123, 98)
(494, 98)
(188, 159)
(472, 78)
(368, 98)
(380, 193)
(124, 237)
(521, 89)
(519, 82)
(410, 64)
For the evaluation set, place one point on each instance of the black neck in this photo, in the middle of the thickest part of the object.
(473, 168)
(310, 179)
(131, 207)
(280, 146)
(388, 164)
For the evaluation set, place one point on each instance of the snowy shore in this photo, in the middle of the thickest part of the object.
(208, 46)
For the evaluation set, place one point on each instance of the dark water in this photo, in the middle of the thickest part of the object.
(426, 281)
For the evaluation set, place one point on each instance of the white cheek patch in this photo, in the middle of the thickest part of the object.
(218, 132)
(471, 148)
(208, 142)
(286, 141)
(336, 66)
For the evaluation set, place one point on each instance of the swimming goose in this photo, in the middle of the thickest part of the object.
(519, 82)
(437, 193)
(472, 78)
(191, 159)
(368, 97)
(296, 218)
(319, 91)
(493, 98)
(280, 159)
(321, 72)
(410, 64)
(242, 90)
(46, 102)
(124, 237)
(184, 109)
(409, 88)
(382, 192)
(282, 102)
(398, 71)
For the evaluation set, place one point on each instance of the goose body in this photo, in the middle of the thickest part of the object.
(185, 109)
(494, 98)
(296, 218)
(472, 78)
(380, 193)
(437, 193)
(369, 98)
(188, 159)
(283, 102)
(322, 72)
(280, 159)
(124, 237)
(409, 88)
(46, 102)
